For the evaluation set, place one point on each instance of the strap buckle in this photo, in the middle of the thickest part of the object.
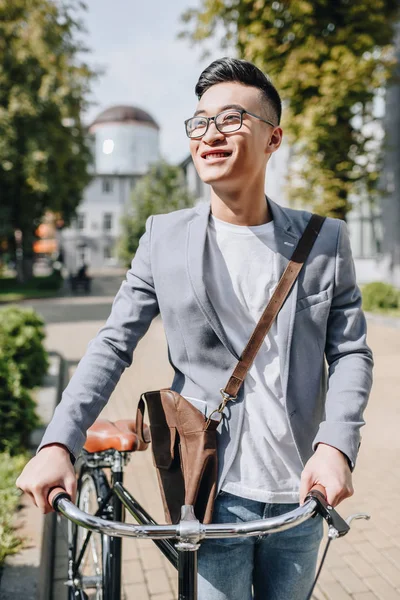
(225, 399)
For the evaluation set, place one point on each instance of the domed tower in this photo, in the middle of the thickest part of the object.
(126, 141)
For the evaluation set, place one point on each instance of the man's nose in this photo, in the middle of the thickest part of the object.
(212, 133)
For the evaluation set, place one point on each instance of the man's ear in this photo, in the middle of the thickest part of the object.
(274, 140)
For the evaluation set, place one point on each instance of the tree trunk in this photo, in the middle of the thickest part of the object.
(24, 255)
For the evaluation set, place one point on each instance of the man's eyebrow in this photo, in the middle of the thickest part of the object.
(226, 107)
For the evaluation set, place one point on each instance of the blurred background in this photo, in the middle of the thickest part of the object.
(92, 102)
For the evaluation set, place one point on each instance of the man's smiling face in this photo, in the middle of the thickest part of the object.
(229, 159)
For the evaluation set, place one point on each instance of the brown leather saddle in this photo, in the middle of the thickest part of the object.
(119, 435)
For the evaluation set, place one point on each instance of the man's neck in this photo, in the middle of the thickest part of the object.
(247, 207)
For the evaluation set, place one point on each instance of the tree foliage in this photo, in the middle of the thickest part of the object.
(44, 152)
(329, 60)
(161, 190)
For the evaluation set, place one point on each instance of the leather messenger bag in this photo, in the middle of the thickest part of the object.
(184, 441)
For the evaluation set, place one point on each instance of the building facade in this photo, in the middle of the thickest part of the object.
(125, 143)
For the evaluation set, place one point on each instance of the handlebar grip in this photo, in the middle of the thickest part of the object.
(318, 488)
(55, 494)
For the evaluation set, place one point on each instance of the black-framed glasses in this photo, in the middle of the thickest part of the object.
(226, 121)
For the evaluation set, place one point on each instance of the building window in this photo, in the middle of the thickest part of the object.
(108, 146)
(107, 221)
(107, 252)
(80, 221)
(82, 255)
(107, 185)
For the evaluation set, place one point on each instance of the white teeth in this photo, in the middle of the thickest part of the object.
(217, 155)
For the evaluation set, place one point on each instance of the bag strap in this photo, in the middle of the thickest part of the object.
(270, 313)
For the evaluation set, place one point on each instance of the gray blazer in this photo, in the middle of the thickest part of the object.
(321, 318)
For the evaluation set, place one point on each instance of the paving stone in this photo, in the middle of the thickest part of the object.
(359, 565)
(318, 594)
(334, 591)
(157, 581)
(133, 571)
(393, 554)
(369, 552)
(378, 539)
(349, 580)
(152, 558)
(136, 591)
(130, 550)
(382, 588)
(390, 572)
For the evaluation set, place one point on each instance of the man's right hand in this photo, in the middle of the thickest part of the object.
(51, 467)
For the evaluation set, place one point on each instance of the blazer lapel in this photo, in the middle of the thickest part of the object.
(285, 242)
(197, 234)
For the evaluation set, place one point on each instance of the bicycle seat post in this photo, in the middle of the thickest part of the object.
(188, 545)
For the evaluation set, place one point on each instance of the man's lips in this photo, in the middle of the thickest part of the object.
(215, 154)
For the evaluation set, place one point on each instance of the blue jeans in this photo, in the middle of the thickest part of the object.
(278, 566)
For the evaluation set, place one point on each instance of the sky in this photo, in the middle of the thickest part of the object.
(145, 65)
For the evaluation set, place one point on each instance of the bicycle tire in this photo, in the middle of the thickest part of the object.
(93, 574)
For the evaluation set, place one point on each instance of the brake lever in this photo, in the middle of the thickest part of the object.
(338, 527)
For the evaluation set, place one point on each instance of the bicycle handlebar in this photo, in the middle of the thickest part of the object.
(188, 528)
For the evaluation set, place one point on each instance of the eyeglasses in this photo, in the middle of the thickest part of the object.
(226, 121)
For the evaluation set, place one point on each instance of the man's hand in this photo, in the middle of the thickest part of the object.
(51, 467)
(328, 467)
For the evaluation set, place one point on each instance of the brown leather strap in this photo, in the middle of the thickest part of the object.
(277, 299)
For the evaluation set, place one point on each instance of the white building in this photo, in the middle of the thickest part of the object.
(125, 144)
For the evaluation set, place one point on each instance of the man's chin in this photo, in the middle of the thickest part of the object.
(211, 176)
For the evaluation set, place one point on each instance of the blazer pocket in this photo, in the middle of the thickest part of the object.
(311, 300)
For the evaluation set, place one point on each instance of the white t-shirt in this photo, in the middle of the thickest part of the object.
(240, 276)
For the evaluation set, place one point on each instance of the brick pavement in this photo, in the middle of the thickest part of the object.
(365, 565)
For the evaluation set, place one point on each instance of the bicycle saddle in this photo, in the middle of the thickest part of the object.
(120, 435)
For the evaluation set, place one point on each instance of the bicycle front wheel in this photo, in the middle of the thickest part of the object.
(91, 550)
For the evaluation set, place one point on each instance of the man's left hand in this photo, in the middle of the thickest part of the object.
(328, 467)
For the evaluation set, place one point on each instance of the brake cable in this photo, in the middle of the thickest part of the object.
(337, 526)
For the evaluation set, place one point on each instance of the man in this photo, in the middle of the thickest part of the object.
(210, 271)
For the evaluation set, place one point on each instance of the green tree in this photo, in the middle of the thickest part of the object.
(161, 190)
(329, 60)
(44, 150)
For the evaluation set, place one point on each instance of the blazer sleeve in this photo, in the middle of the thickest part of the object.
(107, 355)
(349, 359)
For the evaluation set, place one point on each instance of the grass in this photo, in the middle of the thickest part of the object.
(10, 468)
(37, 287)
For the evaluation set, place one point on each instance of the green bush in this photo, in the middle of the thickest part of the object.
(378, 295)
(17, 408)
(23, 364)
(10, 468)
(21, 341)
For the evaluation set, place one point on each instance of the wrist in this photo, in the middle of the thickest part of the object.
(332, 450)
(56, 447)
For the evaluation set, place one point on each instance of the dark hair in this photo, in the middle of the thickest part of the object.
(242, 71)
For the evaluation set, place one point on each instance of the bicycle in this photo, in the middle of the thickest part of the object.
(98, 536)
